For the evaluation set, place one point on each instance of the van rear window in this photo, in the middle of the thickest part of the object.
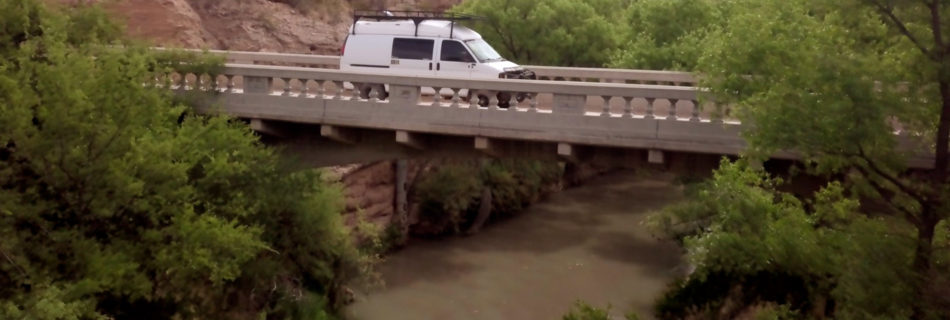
(415, 49)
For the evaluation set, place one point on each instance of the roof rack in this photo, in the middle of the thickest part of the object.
(416, 16)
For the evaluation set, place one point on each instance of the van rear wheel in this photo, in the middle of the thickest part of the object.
(484, 100)
(367, 88)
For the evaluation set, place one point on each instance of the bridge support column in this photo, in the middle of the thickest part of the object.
(265, 127)
(655, 156)
(486, 146)
(338, 134)
(401, 217)
(410, 139)
(567, 152)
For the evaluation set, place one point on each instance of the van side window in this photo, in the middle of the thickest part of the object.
(415, 49)
(455, 51)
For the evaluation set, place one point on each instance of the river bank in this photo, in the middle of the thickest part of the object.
(583, 243)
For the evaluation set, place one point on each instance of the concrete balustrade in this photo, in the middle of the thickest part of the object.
(319, 96)
(556, 114)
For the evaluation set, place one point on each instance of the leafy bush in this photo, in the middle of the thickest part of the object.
(117, 202)
(444, 197)
(549, 32)
(665, 34)
(450, 196)
(583, 311)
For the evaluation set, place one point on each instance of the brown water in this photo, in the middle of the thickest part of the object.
(583, 243)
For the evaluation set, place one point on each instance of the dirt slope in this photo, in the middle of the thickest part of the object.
(249, 25)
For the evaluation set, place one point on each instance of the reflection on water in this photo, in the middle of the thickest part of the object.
(583, 243)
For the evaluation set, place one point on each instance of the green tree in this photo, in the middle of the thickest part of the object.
(548, 32)
(116, 202)
(666, 34)
(834, 81)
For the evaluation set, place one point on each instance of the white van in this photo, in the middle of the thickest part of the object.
(412, 43)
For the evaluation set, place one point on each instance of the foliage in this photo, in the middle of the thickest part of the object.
(583, 311)
(832, 80)
(665, 34)
(548, 32)
(444, 196)
(117, 203)
(450, 196)
(764, 246)
(515, 184)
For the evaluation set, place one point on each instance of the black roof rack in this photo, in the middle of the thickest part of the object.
(416, 16)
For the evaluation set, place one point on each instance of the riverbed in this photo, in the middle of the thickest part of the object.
(583, 243)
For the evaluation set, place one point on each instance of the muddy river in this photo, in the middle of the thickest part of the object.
(583, 243)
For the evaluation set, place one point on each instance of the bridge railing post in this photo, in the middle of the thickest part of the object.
(258, 85)
(569, 104)
(404, 95)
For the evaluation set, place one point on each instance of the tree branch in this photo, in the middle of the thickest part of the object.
(909, 215)
(935, 25)
(18, 267)
(889, 13)
(892, 179)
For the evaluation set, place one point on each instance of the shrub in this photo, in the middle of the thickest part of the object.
(450, 196)
(118, 202)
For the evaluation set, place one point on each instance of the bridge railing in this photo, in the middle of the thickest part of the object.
(574, 98)
(629, 76)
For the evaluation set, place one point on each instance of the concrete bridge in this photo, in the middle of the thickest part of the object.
(624, 117)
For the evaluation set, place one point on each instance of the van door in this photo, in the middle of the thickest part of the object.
(413, 57)
(454, 60)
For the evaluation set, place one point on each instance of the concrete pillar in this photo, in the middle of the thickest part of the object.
(260, 85)
(485, 208)
(569, 104)
(403, 95)
(401, 218)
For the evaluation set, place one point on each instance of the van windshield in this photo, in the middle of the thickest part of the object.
(483, 51)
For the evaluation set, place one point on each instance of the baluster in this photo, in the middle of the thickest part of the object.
(339, 90)
(719, 115)
(455, 97)
(286, 91)
(649, 114)
(493, 102)
(437, 97)
(513, 101)
(628, 107)
(695, 116)
(230, 85)
(320, 90)
(606, 107)
(357, 91)
(672, 115)
(214, 83)
(533, 103)
(373, 95)
(472, 100)
(303, 88)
